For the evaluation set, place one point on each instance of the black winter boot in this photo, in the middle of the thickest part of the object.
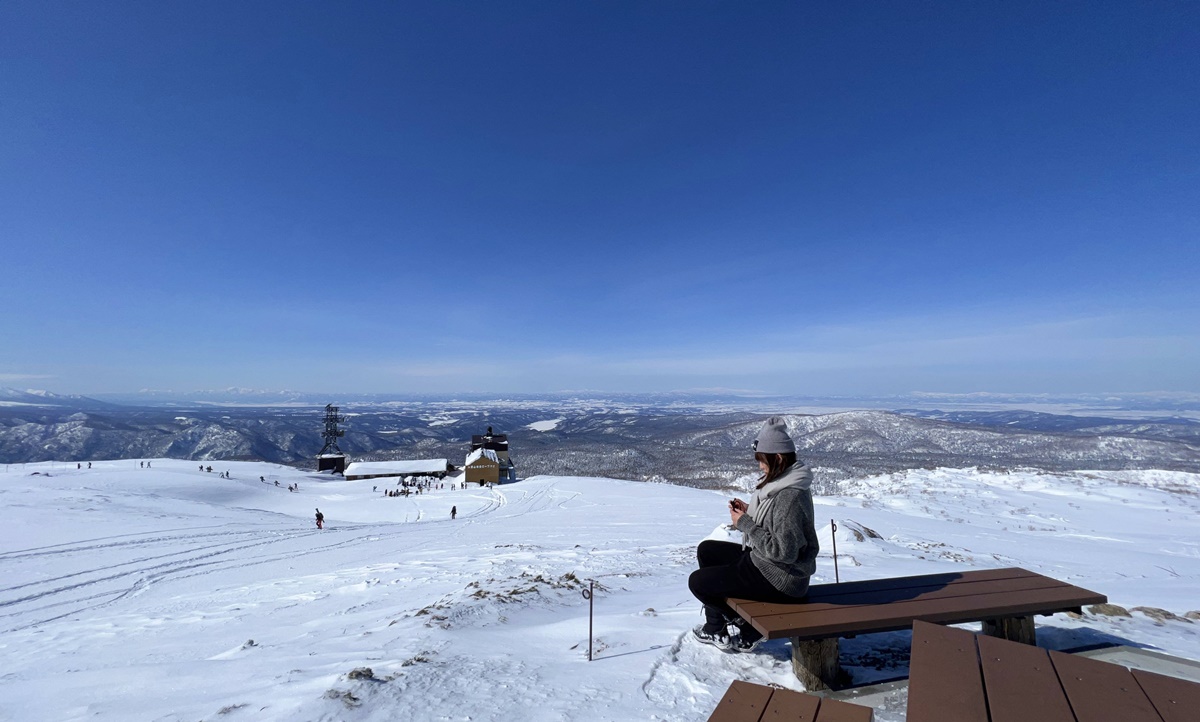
(747, 638)
(717, 636)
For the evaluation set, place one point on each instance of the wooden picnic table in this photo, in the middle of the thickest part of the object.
(748, 702)
(957, 676)
(1005, 600)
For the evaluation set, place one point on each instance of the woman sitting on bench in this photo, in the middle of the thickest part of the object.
(779, 551)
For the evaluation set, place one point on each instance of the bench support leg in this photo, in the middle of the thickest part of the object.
(1016, 629)
(815, 662)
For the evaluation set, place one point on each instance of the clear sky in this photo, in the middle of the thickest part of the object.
(784, 197)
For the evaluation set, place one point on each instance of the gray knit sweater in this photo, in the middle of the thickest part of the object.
(778, 527)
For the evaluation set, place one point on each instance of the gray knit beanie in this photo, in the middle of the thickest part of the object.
(774, 439)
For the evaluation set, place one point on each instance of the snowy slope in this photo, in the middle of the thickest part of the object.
(171, 594)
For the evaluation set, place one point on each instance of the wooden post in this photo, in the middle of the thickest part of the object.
(1015, 629)
(815, 662)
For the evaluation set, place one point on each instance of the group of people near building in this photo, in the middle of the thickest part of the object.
(412, 485)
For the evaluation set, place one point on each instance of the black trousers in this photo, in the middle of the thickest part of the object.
(726, 570)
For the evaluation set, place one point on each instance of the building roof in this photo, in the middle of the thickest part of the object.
(477, 454)
(397, 468)
(494, 439)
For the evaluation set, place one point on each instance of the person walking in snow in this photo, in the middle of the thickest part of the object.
(453, 511)
(779, 549)
(320, 520)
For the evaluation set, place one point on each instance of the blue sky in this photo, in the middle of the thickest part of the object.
(797, 198)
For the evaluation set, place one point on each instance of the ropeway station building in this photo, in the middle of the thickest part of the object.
(428, 468)
(488, 462)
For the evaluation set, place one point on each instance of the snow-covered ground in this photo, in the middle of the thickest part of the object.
(169, 593)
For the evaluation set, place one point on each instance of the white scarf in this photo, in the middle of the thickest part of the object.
(795, 475)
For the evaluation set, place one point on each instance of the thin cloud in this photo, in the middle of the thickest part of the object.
(1090, 342)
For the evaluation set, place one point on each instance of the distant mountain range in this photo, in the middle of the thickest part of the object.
(700, 442)
(36, 398)
(1163, 428)
(1098, 404)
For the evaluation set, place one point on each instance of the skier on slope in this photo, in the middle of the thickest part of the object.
(320, 520)
(453, 511)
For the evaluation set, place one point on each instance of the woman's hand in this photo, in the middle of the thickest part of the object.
(737, 508)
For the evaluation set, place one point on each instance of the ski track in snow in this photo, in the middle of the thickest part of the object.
(141, 575)
(192, 555)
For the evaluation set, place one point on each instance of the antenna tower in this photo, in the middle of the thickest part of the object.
(332, 432)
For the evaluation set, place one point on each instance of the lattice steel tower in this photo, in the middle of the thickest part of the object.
(332, 432)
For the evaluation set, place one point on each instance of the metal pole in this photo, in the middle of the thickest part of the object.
(590, 595)
(836, 578)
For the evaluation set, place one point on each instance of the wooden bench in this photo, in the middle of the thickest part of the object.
(1005, 600)
(746, 702)
(959, 676)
